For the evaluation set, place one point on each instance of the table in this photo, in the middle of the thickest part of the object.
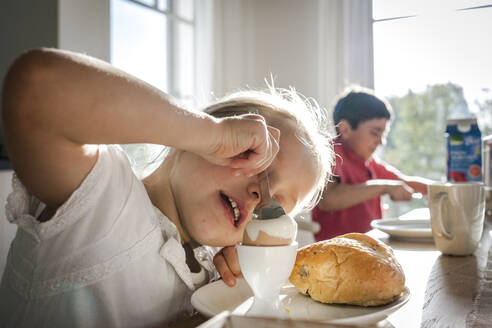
(446, 291)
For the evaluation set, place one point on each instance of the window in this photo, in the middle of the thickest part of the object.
(154, 41)
(432, 62)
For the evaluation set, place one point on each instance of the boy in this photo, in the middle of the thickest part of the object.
(352, 199)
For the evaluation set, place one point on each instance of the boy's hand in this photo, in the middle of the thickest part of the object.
(245, 143)
(400, 191)
(227, 264)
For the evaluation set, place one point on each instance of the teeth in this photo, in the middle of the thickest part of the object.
(234, 207)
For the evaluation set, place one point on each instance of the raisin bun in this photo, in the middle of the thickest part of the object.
(348, 269)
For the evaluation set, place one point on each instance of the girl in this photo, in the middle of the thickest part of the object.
(96, 246)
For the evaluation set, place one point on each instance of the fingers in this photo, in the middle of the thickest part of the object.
(224, 271)
(409, 189)
(261, 155)
(246, 144)
(401, 192)
(261, 159)
(227, 264)
(408, 192)
(274, 135)
(230, 255)
(274, 132)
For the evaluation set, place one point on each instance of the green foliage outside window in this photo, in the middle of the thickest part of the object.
(416, 143)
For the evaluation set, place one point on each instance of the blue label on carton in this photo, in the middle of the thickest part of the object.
(464, 152)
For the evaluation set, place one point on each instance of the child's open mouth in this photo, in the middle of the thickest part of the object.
(231, 208)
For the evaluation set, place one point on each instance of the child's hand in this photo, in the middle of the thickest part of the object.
(400, 191)
(227, 264)
(245, 143)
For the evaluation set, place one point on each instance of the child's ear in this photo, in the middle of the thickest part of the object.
(344, 129)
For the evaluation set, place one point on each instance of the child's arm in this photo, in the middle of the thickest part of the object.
(418, 184)
(338, 196)
(56, 104)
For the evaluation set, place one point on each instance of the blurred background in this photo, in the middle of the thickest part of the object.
(431, 59)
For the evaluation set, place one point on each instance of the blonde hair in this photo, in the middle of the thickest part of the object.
(311, 129)
(311, 123)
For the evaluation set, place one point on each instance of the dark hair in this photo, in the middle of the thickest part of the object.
(357, 105)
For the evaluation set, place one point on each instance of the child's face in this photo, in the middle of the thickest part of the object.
(199, 187)
(365, 139)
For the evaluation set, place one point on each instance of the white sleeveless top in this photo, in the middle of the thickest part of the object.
(107, 258)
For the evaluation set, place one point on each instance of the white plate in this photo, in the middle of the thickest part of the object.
(417, 213)
(216, 297)
(404, 228)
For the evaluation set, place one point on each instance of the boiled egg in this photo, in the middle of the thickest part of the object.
(270, 232)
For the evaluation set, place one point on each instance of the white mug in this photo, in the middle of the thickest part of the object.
(457, 216)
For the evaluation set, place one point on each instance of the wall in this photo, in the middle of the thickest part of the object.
(316, 46)
(25, 24)
(67, 24)
(84, 26)
(255, 39)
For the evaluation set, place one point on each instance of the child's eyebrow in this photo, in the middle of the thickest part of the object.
(378, 129)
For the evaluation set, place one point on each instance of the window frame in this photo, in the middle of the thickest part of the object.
(173, 18)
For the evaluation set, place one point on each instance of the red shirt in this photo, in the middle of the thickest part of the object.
(350, 168)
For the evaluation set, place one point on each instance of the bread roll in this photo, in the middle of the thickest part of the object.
(348, 269)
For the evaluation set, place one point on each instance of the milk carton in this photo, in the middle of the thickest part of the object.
(487, 174)
(487, 161)
(464, 154)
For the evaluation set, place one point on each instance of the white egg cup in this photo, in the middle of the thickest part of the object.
(266, 269)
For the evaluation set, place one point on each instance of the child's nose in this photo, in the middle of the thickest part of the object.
(259, 193)
(254, 195)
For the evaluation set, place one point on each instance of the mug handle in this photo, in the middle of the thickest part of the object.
(442, 196)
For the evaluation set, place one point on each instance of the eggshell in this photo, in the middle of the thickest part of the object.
(271, 232)
(265, 239)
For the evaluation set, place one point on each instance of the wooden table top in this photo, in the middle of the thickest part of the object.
(443, 288)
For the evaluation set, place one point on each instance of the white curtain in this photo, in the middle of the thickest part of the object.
(346, 46)
(204, 51)
(252, 38)
(231, 48)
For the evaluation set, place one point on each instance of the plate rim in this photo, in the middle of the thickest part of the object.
(367, 318)
(395, 226)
